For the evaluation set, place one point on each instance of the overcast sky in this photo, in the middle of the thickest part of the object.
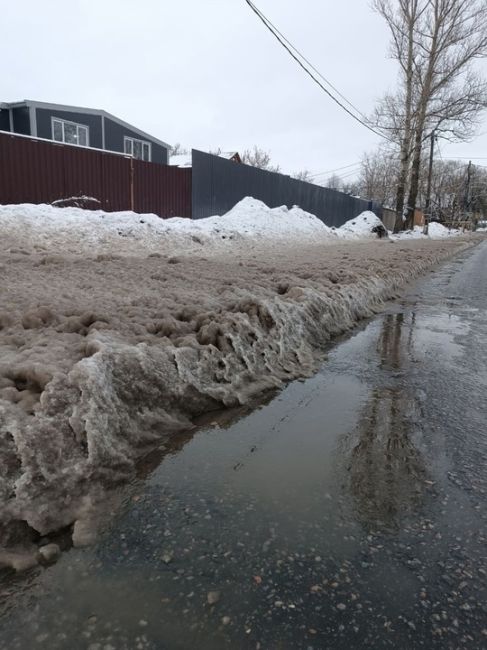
(207, 73)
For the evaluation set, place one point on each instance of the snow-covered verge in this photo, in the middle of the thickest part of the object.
(248, 225)
(104, 356)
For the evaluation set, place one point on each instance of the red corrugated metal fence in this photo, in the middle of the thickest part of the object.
(38, 171)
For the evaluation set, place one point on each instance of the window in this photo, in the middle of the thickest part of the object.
(69, 132)
(137, 148)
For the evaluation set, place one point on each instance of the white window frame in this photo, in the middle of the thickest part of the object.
(77, 125)
(142, 142)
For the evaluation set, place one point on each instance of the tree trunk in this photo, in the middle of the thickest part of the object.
(401, 188)
(415, 171)
(412, 16)
(420, 125)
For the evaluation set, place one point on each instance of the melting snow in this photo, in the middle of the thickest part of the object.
(109, 343)
(248, 225)
(360, 227)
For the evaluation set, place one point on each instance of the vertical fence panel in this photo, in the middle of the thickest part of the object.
(83, 173)
(170, 192)
(38, 171)
(116, 176)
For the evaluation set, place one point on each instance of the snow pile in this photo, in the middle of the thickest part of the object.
(252, 218)
(248, 225)
(86, 232)
(435, 231)
(439, 231)
(361, 227)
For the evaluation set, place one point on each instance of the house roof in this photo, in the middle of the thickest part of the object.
(229, 154)
(81, 109)
(181, 160)
(185, 159)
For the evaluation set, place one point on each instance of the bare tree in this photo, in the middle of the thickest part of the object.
(178, 150)
(260, 158)
(352, 188)
(402, 20)
(478, 192)
(304, 175)
(436, 43)
(449, 181)
(334, 182)
(457, 189)
(379, 174)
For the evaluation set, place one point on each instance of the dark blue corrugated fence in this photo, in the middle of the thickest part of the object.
(218, 184)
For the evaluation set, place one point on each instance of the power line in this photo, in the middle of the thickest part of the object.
(345, 173)
(288, 42)
(337, 169)
(444, 158)
(343, 177)
(354, 172)
(465, 158)
(298, 56)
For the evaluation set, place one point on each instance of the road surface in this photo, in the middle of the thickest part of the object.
(348, 512)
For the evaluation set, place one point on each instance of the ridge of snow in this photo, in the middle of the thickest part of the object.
(104, 356)
(249, 224)
(119, 354)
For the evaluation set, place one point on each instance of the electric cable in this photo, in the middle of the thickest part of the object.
(297, 56)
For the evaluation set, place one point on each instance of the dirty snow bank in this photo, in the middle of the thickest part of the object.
(104, 357)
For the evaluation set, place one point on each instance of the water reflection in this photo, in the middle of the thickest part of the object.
(386, 470)
(390, 340)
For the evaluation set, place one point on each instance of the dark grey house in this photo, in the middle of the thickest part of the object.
(85, 127)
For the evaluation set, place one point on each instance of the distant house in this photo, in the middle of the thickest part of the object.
(231, 155)
(85, 127)
(185, 159)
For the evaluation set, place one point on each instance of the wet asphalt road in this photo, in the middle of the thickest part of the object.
(348, 512)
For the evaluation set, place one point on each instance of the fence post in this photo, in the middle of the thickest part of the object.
(132, 201)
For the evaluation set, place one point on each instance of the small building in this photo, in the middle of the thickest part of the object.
(84, 127)
(234, 156)
(186, 159)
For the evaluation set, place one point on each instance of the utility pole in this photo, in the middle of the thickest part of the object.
(466, 202)
(427, 210)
